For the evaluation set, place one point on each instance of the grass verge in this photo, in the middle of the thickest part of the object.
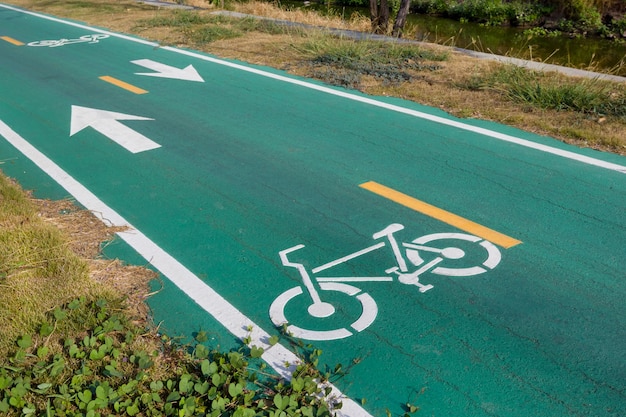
(33, 259)
(544, 90)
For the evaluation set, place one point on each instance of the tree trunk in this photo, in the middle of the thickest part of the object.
(384, 16)
(398, 25)
(379, 16)
(374, 14)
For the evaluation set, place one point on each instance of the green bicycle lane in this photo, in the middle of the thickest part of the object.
(251, 165)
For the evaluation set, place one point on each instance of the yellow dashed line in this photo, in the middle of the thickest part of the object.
(122, 84)
(11, 40)
(441, 215)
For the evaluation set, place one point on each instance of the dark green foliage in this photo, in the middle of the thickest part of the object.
(345, 66)
(490, 12)
(571, 16)
(105, 371)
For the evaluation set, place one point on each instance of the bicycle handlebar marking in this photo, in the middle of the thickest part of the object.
(409, 269)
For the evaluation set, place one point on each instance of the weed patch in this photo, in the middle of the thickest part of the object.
(545, 90)
(177, 18)
(70, 346)
(112, 367)
(200, 29)
(345, 62)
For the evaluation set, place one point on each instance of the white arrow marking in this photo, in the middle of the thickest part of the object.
(106, 122)
(188, 73)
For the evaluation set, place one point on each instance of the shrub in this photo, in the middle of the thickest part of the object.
(491, 12)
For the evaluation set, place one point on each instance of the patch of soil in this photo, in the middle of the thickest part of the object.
(86, 236)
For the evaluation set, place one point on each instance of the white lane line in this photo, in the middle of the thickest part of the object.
(278, 357)
(436, 119)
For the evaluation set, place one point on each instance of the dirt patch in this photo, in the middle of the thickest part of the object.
(86, 235)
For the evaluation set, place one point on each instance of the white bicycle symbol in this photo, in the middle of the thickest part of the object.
(410, 266)
(95, 38)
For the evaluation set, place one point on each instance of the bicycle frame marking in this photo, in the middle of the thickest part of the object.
(409, 268)
(347, 258)
(452, 219)
(355, 279)
(55, 43)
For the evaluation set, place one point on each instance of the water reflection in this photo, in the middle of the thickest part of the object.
(575, 52)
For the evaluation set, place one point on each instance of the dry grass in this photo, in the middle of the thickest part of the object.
(355, 21)
(48, 257)
(85, 236)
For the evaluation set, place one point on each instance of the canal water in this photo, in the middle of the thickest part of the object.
(593, 54)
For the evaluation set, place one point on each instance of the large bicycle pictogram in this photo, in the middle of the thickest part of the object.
(438, 253)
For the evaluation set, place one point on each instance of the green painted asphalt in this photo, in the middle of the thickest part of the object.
(251, 165)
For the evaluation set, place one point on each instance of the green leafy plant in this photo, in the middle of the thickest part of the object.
(111, 370)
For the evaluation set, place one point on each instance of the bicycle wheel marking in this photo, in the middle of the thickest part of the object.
(369, 314)
(493, 254)
(369, 311)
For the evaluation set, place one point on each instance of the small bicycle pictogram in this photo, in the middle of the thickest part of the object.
(95, 38)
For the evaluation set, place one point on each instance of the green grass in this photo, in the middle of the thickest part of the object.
(344, 62)
(549, 91)
(177, 18)
(112, 367)
(86, 5)
(202, 29)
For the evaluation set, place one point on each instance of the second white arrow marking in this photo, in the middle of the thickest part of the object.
(107, 123)
(188, 73)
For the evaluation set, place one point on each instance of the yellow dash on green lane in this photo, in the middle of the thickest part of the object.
(441, 215)
(11, 40)
(124, 85)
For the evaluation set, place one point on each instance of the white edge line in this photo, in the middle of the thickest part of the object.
(436, 119)
(278, 357)
(415, 113)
